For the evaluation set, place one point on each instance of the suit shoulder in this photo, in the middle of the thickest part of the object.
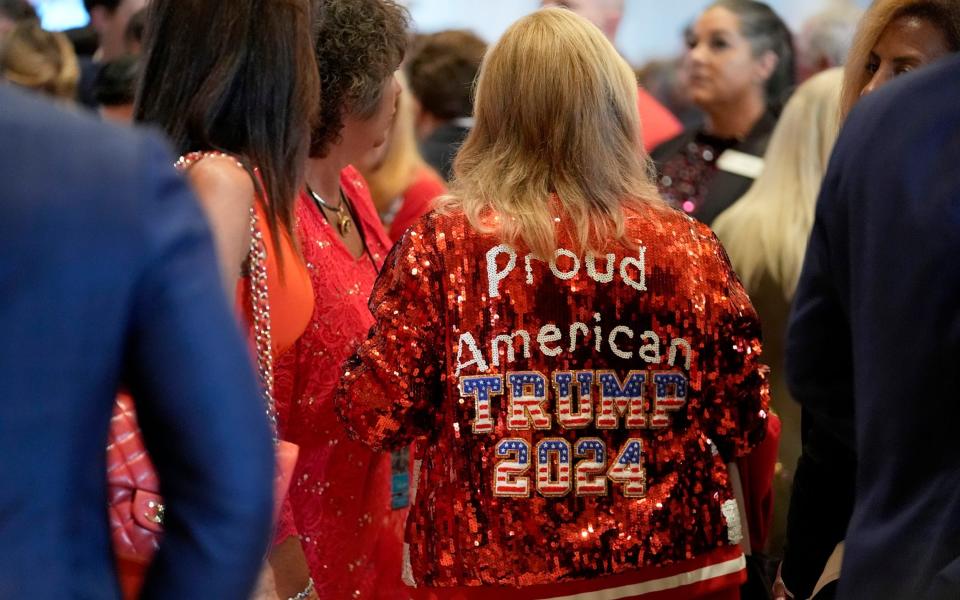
(76, 146)
(70, 173)
(49, 123)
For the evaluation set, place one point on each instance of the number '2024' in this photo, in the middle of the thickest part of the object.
(641, 400)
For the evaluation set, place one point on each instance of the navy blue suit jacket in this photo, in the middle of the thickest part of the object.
(875, 336)
(107, 272)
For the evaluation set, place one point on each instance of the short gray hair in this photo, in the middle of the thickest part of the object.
(826, 37)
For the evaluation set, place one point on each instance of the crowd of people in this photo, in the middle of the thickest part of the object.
(303, 304)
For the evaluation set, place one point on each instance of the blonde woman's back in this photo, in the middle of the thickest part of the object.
(585, 403)
(579, 392)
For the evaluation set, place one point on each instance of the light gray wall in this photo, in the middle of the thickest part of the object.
(650, 28)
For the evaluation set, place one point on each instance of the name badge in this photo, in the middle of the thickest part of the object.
(740, 163)
(400, 480)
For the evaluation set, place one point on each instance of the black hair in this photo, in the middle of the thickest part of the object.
(110, 5)
(240, 80)
(116, 81)
(136, 27)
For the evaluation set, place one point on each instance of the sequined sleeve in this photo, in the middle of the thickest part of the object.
(390, 384)
(738, 395)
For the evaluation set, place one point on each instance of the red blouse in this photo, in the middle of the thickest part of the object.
(340, 495)
(418, 199)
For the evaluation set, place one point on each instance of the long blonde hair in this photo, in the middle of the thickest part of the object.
(945, 14)
(402, 159)
(43, 61)
(766, 230)
(556, 113)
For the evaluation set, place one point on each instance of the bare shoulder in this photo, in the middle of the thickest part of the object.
(221, 180)
(226, 193)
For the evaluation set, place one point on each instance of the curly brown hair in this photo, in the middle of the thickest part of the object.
(441, 70)
(359, 43)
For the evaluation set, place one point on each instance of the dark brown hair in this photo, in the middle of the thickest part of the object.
(766, 31)
(136, 27)
(116, 81)
(110, 5)
(441, 71)
(238, 79)
(359, 43)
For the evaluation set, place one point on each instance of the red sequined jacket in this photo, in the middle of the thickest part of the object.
(574, 415)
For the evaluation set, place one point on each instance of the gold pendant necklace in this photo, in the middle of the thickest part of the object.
(344, 222)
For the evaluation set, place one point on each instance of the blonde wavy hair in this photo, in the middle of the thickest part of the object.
(766, 230)
(945, 14)
(398, 167)
(556, 116)
(40, 60)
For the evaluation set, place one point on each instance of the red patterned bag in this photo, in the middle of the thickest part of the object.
(135, 507)
(134, 502)
(136, 510)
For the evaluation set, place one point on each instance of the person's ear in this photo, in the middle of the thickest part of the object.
(765, 65)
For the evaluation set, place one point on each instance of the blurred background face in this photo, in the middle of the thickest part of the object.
(605, 14)
(111, 27)
(720, 64)
(907, 43)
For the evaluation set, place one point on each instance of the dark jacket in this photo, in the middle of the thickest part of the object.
(107, 272)
(687, 167)
(441, 147)
(877, 319)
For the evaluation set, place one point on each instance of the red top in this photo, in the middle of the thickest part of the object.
(340, 495)
(417, 200)
(656, 122)
(575, 414)
(289, 291)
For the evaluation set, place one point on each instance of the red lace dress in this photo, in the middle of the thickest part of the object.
(340, 496)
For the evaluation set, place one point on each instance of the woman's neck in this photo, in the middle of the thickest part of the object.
(735, 121)
(323, 175)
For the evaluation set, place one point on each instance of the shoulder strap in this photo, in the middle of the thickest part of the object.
(260, 312)
(189, 160)
(259, 293)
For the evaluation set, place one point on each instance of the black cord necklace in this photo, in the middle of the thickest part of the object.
(347, 208)
(344, 220)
